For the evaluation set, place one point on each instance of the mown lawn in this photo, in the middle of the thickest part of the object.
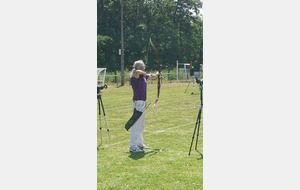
(169, 130)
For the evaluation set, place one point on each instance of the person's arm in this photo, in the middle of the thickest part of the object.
(154, 75)
(137, 73)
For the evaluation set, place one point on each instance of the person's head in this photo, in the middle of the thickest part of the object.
(139, 65)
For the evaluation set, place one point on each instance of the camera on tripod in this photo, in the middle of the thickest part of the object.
(99, 88)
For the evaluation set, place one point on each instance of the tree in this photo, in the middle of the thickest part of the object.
(175, 28)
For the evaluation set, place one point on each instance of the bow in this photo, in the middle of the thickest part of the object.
(158, 69)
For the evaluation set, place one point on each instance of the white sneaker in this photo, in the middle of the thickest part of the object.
(135, 149)
(144, 147)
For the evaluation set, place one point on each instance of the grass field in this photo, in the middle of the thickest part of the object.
(169, 130)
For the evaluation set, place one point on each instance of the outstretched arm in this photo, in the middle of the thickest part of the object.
(137, 73)
(151, 76)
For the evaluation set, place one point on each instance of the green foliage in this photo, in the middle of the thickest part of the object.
(169, 130)
(103, 40)
(173, 26)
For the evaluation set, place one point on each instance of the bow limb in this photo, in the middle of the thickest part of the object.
(159, 71)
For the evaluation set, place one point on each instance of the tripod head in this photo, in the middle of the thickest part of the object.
(200, 82)
(99, 88)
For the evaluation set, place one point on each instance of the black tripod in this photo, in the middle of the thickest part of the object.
(198, 121)
(100, 104)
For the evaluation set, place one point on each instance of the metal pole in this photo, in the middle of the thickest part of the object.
(122, 46)
(177, 70)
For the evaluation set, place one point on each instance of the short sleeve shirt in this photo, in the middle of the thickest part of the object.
(139, 87)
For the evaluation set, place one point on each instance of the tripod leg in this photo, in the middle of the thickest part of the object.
(106, 123)
(198, 128)
(107, 129)
(187, 87)
(197, 121)
(99, 121)
(198, 131)
(193, 78)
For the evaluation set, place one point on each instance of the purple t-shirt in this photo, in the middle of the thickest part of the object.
(139, 87)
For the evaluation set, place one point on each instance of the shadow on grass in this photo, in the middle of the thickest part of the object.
(120, 86)
(139, 155)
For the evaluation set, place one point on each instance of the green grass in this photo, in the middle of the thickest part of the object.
(169, 130)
